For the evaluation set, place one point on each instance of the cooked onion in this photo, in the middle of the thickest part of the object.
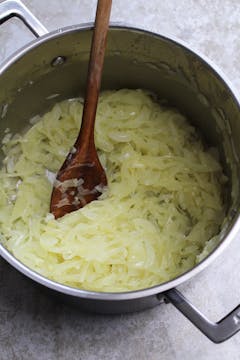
(160, 214)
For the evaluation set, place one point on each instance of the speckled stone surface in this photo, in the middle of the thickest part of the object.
(34, 326)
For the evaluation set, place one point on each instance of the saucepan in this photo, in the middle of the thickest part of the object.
(53, 67)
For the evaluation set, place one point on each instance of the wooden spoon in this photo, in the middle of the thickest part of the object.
(82, 178)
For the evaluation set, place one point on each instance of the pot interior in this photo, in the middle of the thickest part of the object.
(54, 68)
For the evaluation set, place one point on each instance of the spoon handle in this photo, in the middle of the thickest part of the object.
(99, 40)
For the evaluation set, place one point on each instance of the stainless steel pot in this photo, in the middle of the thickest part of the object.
(53, 67)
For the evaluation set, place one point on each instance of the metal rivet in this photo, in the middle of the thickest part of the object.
(233, 213)
(59, 60)
(162, 299)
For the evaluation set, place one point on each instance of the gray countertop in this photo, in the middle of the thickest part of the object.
(34, 326)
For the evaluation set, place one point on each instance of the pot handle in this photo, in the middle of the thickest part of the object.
(10, 8)
(217, 332)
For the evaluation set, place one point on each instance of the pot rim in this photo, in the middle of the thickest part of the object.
(157, 289)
